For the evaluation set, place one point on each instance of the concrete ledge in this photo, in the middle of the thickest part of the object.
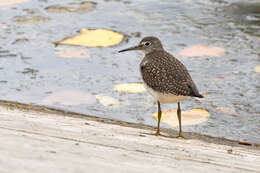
(44, 140)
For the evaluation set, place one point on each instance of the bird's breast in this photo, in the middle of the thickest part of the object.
(163, 97)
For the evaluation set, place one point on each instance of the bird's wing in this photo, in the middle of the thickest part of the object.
(164, 73)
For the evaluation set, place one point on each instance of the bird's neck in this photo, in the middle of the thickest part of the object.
(146, 52)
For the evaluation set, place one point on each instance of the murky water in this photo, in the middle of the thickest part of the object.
(30, 69)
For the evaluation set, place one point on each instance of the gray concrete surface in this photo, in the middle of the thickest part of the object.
(41, 142)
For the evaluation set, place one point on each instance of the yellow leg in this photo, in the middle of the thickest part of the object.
(159, 118)
(179, 118)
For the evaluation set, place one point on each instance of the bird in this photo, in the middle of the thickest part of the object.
(164, 76)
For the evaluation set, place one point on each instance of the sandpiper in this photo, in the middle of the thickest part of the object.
(164, 76)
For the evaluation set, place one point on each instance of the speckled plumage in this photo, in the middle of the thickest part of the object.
(165, 74)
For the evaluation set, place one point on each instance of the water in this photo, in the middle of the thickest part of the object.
(30, 69)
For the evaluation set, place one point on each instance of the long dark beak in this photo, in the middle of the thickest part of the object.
(130, 48)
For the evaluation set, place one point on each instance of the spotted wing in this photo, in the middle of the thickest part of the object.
(164, 73)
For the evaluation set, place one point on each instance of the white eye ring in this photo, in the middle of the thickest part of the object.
(147, 43)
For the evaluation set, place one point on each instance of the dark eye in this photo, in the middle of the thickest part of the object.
(147, 43)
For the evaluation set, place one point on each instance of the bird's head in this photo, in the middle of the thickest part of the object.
(147, 45)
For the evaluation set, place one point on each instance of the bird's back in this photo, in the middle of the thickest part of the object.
(163, 73)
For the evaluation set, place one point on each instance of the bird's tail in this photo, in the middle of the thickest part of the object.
(194, 91)
(199, 95)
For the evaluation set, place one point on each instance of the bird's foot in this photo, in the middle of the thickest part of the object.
(157, 133)
(180, 137)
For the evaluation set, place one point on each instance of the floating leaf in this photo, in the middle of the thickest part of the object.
(94, 38)
(73, 53)
(69, 97)
(11, 2)
(20, 40)
(190, 117)
(108, 101)
(257, 69)
(227, 110)
(30, 71)
(81, 7)
(201, 50)
(3, 26)
(130, 87)
(31, 19)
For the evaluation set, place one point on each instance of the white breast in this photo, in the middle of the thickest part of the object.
(164, 98)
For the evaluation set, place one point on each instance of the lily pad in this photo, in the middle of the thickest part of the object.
(31, 19)
(200, 51)
(82, 7)
(257, 69)
(94, 38)
(108, 101)
(226, 110)
(73, 53)
(3, 26)
(69, 97)
(189, 117)
(130, 87)
(11, 2)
